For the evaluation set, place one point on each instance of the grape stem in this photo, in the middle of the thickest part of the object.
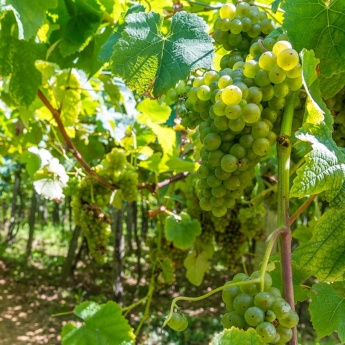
(284, 152)
(212, 292)
(302, 208)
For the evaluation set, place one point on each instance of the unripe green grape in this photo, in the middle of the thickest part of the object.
(204, 93)
(287, 59)
(277, 103)
(198, 81)
(229, 293)
(229, 201)
(260, 129)
(227, 136)
(244, 89)
(255, 30)
(219, 211)
(233, 111)
(254, 16)
(285, 334)
(242, 302)
(255, 49)
(267, 26)
(281, 90)
(210, 77)
(236, 26)
(272, 137)
(203, 171)
(218, 191)
(280, 46)
(281, 308)
(213, 181)
(221, 174)
(215, 157)
(266, 332)
(224, 81)
(219, 108)
(250, 68)
(212, 141)
(238, 151)
(295, 84)
(270, 316)
(233, 319)
(220, 36)
(239, 277)
(249, 289)
(277, 75)
(267, 92)
(290, 320)
(263, 300)
(229, 163)
(246, 141)
(232, 183)
(251, 113)
(242, 9)
(295, 72)
(267, 60)
(193, 94)
(216, 202)
(267, 279)
(254, 95)
(237, 125)
(227, 11)
(262, 78)
(246, 26)
(221, 123)
(254, 316)
(178, 322)
(234, 39)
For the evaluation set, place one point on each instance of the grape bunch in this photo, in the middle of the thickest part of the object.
(253, 221)
(93, 222)
(238, 24)
(336, 105)
(240, 109)
(266, 311)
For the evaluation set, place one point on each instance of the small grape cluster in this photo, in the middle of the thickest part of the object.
(336, 105)
(252, 222)
(116, 169)
(266, 310)
(174, 94)
(238, 24)
(93, 222)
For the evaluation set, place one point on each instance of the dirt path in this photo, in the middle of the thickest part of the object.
(25, 311)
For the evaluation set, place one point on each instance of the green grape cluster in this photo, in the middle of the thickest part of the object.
(72, 186)
(220, 223)
(93, 222)
(176, 93)
(252, 222)
(117, 170)
(239, 107)
(266, 311)
(336, 105)
(238, 24)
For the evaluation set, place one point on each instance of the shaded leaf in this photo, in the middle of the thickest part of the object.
(324, 254)
(197, 265)
(147, 60)
(182, 232)
(327, 309)
(30, 15)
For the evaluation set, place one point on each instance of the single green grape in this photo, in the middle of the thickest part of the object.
(254, 316)
(266, 332)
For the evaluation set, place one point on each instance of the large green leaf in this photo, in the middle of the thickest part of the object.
(234, 336)
(103, 325)
(30, 15)
(327, 309)
(324, 255)
(17, 59)
(154, 110)
(181, 230)
(318, 25)
(197, 265)
(324, 169)
(149, 61)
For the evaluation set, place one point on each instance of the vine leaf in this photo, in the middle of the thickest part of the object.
(318, 25)
(324, 254)
(151, 62)
(237, 336)
(324, 169)
(197, 265)
(167, 275)
(182, 232)
(299, 276)
(327, 309)
(103, 324)
(30, 15)
(17, 59)
(156, 111)
(317, 111)
(107, 48)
